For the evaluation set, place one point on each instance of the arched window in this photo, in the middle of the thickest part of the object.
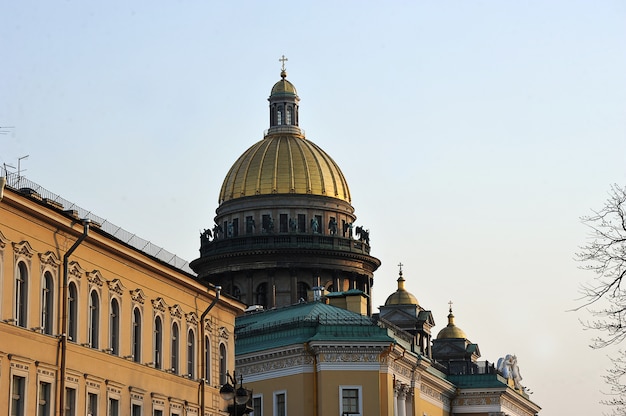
(47, 303)
(114, 327)
(175, 346)
(94, 317)
(191, 354)
(72, 312)
(279, 115)
(261, 295)
(21, 294)
(136, 335)
(158, 341)
(207, 360)
(223, 368)
(303, 291)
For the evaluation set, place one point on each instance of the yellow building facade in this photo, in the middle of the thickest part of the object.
(130, 337)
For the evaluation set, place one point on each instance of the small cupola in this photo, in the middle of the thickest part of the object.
(284, 116)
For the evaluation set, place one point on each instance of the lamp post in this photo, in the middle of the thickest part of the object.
(239, 396)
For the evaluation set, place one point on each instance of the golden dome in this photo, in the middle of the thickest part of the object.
(283, 87)
(284, 163)
(451, 331)
(401, 296)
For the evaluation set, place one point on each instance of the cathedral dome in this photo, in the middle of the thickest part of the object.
(451, 331)
(284, 164)
(401, 296)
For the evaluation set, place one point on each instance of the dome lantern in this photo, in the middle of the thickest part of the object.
(284, 116)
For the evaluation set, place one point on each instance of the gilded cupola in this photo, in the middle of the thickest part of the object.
(284, 161)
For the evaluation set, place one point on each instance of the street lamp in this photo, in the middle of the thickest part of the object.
(239, 396)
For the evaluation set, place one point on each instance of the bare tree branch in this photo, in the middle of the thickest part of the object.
(605, 295)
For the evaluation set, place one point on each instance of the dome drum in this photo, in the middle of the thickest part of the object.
(284, 205)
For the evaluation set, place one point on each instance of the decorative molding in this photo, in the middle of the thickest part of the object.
(95, 278)
(75, 270)
(3, 240)
(23, 248)
(176, 311)
(138, 296)
(116, 286)
(159, 304)
(192, 318)
(223, 332)
(49, 258)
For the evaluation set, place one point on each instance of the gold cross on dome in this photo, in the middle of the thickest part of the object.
(400, 266)
(450, 303)
(283, 60)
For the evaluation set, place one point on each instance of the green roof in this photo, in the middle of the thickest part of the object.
(304, 322)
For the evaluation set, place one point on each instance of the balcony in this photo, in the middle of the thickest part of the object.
(252, 242)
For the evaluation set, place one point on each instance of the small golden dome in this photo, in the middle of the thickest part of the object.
(401, 296)
(451, 331)
(283, 87)
(284, 164)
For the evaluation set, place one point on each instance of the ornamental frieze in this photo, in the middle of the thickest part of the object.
(49, 259)
(95, 278)
(75, 270)
(275, 365)
(23, 249)
(159, 304)
(176, 311)
(116, 286)
(425, 389)
(192, 318)
(348, 357)
(138, 296)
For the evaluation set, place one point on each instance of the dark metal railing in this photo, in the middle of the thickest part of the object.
(32, 189)
(281, 240)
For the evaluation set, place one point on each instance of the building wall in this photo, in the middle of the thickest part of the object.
(38, 236)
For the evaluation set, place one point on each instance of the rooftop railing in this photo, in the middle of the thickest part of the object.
(34, 190)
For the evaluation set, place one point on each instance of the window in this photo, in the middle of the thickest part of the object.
(283, 223)
(250, 225)
(92, 404)
(72, 306)
(279, 118)
(261, 295)
(136, 335)
(303, 291)
(191, 355)
(70, 402)
(175, 348)
(289, 110)
(18, 400)
(47, 303)
(136, 410)
(114, 327)
(94, 316)
(114, 407)
(235, 232)
(223, 368)
(158, 342)
(157, 412)
(280, 403)
(301, 223)
(257, 406)
(350, 400)
(21, 294)
(207, 360)
(44, 406)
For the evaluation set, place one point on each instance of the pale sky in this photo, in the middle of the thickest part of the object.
(473, 135)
